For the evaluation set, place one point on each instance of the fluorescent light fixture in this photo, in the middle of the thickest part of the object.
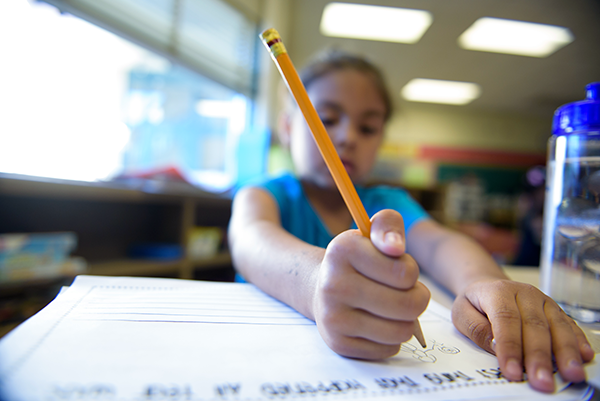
(387, 24)
(438, 91)
(514, 37)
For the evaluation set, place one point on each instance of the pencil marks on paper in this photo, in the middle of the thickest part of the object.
(427, 355)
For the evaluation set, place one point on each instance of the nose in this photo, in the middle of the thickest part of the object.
(345, 134)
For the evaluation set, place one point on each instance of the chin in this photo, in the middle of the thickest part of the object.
(326, 183)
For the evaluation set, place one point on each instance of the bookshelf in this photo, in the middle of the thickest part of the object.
(110, 217)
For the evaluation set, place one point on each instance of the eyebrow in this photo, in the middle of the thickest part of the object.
(336, 107)
(328, 105)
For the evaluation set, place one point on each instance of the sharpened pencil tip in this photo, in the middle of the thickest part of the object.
(418, 333)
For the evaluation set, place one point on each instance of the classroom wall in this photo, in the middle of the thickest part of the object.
(422, 123)
(426, 143)
(453, 127)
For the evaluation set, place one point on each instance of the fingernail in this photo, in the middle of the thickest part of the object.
(493, 344)
(392, 238)
(544, 375)
(575, 367)
(514, 369)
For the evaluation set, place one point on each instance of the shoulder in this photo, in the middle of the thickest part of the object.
(285, 185)
(381, 197)
(385, 193)
(285, 189)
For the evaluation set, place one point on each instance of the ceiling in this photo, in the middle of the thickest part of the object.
(515, 84)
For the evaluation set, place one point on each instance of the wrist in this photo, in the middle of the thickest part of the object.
(306, 300)
(490, 274)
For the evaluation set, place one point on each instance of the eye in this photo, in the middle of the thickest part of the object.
(369, 130)
(329, 121)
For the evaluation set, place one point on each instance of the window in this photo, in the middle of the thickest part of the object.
(79, 102)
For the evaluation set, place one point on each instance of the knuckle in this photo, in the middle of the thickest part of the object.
(561, 316)
(425, 298)
(512, 344)
(506, 315)
(417, 303)
(536, 322)
(537, 354)
(334, 322)
(338, 288)
(527, 288)
(405, 271)
(411, 306)
(402, 333)
(338, 247)
(564, 322)
(413, 303)
(395, 332)
(503, 285)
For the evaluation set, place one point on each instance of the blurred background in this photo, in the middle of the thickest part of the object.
(126, 125)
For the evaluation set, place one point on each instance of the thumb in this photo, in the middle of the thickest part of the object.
(387, 233)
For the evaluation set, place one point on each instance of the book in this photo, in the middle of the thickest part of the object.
(119, 338)
(31, 256)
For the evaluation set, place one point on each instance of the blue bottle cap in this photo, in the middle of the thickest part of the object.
(579, 117)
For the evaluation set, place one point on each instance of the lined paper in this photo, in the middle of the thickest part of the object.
(110, 338)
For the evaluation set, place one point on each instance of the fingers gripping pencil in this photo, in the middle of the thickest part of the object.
(272, 41)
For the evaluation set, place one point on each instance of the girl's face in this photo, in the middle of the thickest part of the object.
(353, 113)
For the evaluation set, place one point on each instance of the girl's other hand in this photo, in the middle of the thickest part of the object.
(524, 328)
(368, 297)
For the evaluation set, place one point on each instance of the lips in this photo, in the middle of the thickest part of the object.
(348, 165)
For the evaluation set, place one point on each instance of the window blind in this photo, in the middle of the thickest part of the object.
(208, 36)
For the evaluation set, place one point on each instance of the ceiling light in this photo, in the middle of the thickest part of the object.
(438, 91)
(387, 24)
(514, 37)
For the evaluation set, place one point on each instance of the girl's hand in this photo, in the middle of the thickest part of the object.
(524, 328)
(368, 297)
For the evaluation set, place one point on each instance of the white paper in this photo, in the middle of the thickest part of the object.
(110, 338)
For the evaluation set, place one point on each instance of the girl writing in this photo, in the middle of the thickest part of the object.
(294, 238)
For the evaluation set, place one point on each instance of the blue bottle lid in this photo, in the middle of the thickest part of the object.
(581, 116)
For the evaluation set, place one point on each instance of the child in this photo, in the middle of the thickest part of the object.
(294, 238)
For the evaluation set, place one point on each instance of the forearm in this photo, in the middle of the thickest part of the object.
(454, 260)
(278, 263)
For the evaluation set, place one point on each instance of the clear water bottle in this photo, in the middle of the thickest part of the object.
(570, 260)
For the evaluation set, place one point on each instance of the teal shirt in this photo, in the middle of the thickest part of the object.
(299, 218)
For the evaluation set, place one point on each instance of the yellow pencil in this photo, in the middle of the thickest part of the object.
(273, 43)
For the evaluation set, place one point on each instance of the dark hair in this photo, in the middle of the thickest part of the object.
(336, 60)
